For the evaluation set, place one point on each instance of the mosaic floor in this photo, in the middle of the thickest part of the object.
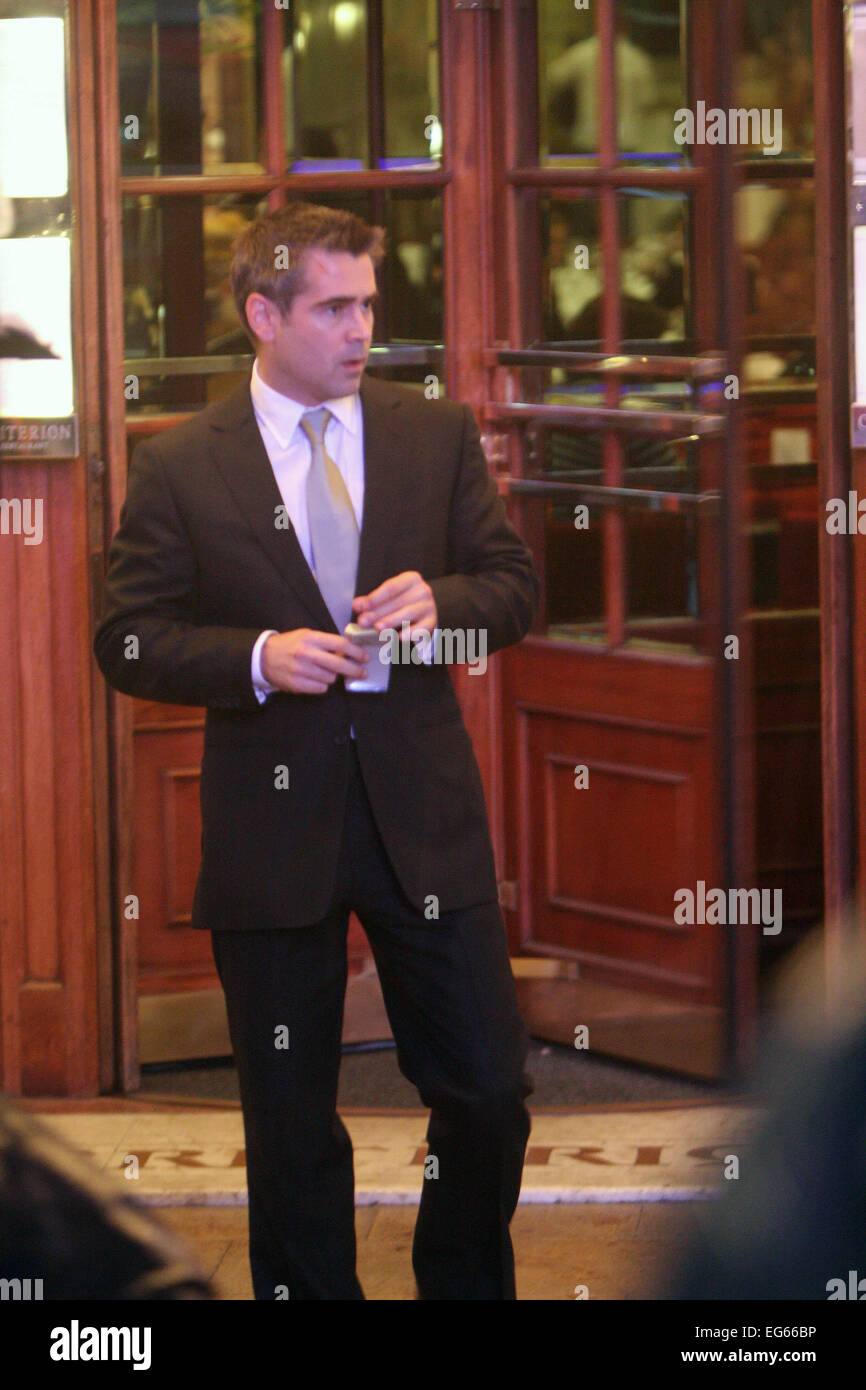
(195, 1156)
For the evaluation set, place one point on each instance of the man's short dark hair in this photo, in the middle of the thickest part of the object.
(269, 257)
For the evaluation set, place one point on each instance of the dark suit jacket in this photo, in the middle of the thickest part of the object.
(198, 569)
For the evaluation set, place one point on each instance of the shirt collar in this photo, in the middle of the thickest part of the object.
(282, 413)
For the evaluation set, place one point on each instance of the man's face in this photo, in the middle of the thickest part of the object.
(320, 349)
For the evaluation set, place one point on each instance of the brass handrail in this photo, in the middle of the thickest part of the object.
(652, 422)
(703, 367)
(654, 498)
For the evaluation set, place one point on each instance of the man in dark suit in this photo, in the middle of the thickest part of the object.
(225, 588)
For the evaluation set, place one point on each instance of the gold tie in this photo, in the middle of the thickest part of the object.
(333, 525)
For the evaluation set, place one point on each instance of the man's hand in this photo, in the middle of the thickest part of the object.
(405, 598)
(308, 662)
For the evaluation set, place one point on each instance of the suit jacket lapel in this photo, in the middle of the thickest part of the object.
(242, 460)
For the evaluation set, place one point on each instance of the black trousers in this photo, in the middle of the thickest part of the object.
(450, 997)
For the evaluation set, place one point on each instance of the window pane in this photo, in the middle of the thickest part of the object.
(567, 119)
(415, 268)
(775, 70)
(783, 526)
(651, 79)
(575, 454)
(325, 84)
(571, 242)
(573, 567)
(329, 54)
(410, 71)
(661, 575)
(188, 86)
(654, 279)
(651, 82)
(177, 296)
(776, 230)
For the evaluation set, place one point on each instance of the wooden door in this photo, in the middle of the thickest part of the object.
(563, 263)
(225, 110)
(617, 409)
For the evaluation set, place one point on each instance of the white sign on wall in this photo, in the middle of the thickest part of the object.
(37, 387)
(34, 161)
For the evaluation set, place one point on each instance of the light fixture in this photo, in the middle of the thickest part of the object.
(346, 18)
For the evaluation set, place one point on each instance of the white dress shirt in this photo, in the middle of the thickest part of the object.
(290, 453)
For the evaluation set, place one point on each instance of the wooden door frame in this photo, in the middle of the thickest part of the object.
(466, 35)
(470, 39)
(843, 776)
(123, 1062)
(55, 961)
(477, 44)
(844, 786)
(717, 325)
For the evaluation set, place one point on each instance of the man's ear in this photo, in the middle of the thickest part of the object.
(262, 315)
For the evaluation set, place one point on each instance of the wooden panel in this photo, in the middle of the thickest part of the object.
(598, 866)
(839, 663)
(472, 281)
(181, 826)
(606, 859)
(48, 969)
(787, 720)
(638, 799)
(167, 841)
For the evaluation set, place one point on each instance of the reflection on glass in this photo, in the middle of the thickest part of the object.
(650, 74)
(661, 575)
(573, 570)
(572, 268)
(188, 75)
(775, 70)
(410, 75)
(330, 52)
(649, 461)
(169, 314)
(414, 269)
(661, 545)
(325, 84)
(783, 529)
(776, 230)
(653, 268)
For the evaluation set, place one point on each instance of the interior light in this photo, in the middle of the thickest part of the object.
(434, 135)
(346, 18)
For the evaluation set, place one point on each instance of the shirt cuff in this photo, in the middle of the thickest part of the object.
(262, 687)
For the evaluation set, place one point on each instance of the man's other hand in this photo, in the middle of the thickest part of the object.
(306, 662)
(407, 598)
